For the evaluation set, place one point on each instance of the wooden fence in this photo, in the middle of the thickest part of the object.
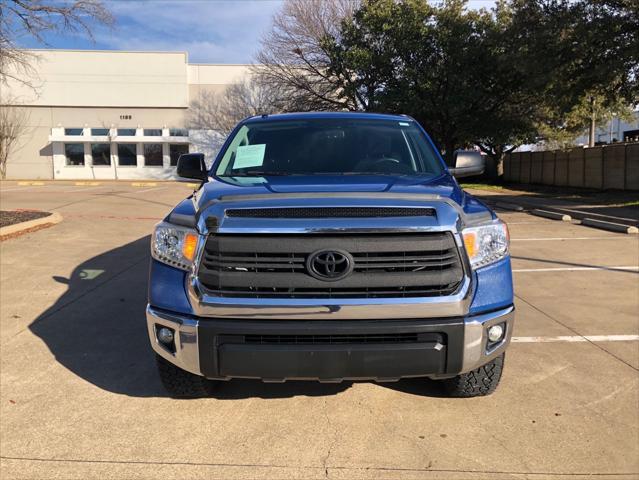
(607, 167)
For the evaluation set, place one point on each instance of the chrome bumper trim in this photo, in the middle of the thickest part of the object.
(204, 305)
(187, 354)
(475, 340)
(187, 351)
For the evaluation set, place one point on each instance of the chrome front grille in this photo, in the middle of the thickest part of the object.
(331, 212)
(384, 265)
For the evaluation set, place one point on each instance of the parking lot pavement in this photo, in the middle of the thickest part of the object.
(80, 397)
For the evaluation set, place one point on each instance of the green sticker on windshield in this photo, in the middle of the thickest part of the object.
(249, 156)
(404, 124)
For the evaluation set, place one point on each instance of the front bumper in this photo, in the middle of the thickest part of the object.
(221, 349)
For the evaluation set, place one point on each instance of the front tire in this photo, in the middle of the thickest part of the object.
(476, 383)
(182, 384)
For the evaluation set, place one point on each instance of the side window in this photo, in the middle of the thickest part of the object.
(153, 155)
(127, 156)
(74, 153)
(101, 154)
(175, 150)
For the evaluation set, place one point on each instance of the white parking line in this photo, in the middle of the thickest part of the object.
(578, 338)
(577, 269)
(550, 239)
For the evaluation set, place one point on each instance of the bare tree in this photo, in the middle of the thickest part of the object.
(220, 111)
(294, 55)
(36, 18)
(214, 114)
(13, 124)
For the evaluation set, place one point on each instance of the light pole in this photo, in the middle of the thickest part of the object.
(591, 133)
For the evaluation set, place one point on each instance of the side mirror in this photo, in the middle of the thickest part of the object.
(467, 164)
(191, 165)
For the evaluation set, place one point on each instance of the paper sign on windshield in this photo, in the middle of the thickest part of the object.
(249, 156)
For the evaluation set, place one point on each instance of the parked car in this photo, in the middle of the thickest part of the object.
(329, 247)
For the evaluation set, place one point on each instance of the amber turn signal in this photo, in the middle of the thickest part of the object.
(189, 246)
(470, 242)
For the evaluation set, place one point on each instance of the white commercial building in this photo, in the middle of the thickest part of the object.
(108, 114)
(614, 131)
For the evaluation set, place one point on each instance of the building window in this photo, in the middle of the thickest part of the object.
(73, 131)
(153, 155)
(99, 132)
(74, 153)
(126, 132)
(175, 152)
(631, 136)
(127, 155)
(152, 132)
(101, 154)
(178, 132)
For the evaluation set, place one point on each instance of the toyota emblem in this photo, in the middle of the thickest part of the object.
(330, 265)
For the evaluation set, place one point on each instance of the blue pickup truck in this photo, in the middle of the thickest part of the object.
(329, 247)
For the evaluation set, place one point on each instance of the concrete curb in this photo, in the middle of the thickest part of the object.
(510, 206)
(610, 226)
(573, 211)
(552, 215)
(54, 218)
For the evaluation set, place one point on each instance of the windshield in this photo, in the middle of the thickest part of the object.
(329, 146)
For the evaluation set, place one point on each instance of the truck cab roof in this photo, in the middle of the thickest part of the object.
(327, 115)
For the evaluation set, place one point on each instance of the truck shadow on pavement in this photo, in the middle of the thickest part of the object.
(97, 330)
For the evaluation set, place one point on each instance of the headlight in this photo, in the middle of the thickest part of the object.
(486, 244)
(174, 245)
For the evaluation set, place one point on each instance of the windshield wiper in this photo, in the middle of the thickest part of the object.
(381, 173)
(260, 173)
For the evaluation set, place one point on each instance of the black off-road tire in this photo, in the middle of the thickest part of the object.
(476, 383)
(182, 384)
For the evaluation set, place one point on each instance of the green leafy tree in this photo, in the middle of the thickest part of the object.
(399, 57)
(604, 78)
(493, 78)
(593, 106)
(524, 83)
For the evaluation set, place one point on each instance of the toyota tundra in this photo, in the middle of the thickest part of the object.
(330, 247)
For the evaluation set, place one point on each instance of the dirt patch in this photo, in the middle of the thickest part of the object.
(11, 217)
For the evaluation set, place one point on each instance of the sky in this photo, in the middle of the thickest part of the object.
(211, 31)
(219, 31)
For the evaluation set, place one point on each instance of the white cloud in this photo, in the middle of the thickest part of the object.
(212, 32)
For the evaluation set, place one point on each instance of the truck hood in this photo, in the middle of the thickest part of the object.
(443, 185)
(218, 195)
